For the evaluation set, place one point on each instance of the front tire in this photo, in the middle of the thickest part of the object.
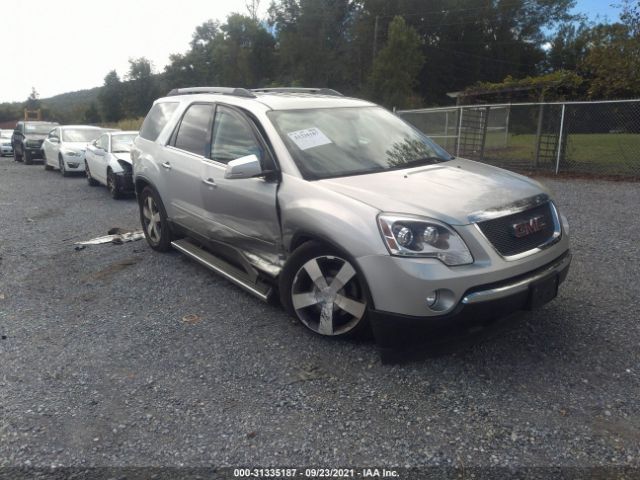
(90, 180)
(112, 185)
(324, 291)
(63, 170)
(154, 221)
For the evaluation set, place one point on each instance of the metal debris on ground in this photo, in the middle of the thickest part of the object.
(116, 235)
(191, 319)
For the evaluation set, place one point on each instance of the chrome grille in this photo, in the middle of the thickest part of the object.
(501, 233)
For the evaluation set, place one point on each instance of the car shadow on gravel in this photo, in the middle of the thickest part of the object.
(521, 331)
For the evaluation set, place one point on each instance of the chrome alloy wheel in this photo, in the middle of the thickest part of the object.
(327, 295)
(152, 223)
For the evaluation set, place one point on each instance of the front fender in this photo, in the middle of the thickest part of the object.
(312, 211)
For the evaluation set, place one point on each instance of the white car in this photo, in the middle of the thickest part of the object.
(108, 162)
(5, 142)
(64, 147)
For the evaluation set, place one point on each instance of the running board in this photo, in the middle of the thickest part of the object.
(225, 269)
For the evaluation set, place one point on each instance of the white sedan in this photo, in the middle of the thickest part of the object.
(108, 162)
(64, 148)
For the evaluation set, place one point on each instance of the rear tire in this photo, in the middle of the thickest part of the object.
(153, 218)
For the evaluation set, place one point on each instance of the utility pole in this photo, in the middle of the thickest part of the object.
(375, 39)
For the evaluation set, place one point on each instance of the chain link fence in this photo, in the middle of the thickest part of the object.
(596, 138)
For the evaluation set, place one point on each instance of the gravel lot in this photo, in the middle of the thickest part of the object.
(98, 368)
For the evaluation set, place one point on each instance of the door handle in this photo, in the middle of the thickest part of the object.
(209, 181)
(166, 165)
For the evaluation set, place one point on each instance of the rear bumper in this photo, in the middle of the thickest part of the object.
(478, 306)
(34, 152)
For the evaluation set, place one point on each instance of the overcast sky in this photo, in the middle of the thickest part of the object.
(70, 45)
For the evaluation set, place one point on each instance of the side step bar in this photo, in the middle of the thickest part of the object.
(225, 269)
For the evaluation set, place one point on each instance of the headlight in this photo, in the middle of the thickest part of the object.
(409, 236)
(71, 153)
(126, 166)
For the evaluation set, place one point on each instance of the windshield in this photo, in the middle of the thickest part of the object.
(80, 134)
(334, 142)
(122, 143)
(39, 128)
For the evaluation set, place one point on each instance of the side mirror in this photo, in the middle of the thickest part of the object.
(243, 167)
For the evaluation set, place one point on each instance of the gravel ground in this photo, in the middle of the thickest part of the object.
(98, 368)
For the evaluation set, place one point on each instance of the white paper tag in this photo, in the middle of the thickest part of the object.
(309, 138)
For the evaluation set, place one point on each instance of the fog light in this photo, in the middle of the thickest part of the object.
(432, 298)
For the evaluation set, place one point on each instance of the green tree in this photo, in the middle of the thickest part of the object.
(395, 69)
(33, 101)
(613, 61)
(313, 41)
(111, 97)
(141, 88)
(91, 114)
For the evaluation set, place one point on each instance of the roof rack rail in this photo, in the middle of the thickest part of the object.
(319, 91)
(238, 92)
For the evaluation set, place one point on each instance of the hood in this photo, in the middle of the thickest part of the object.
(78, 146)
(449, 191)
(123, 156)
(35, 136)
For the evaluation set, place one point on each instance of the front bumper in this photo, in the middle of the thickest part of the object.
(73, 163)
(6, 149)
(478, 306)
(124, 182)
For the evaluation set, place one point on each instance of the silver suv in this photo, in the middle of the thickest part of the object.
(349, 213)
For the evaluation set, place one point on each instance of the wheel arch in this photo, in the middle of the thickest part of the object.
(303, 236)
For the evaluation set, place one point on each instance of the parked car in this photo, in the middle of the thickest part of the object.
(5, 142)
(344, 209)
(108, 162)
(27, 139)
(65, 146)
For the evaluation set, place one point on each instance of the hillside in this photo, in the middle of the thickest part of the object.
(70, 104)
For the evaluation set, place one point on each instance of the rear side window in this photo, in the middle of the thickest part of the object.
(194, 134)
(156, 119)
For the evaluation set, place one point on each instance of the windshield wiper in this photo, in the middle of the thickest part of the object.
(418, 162)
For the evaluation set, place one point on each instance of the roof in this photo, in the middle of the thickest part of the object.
(81, 126)
(291, 101)
(273, 99)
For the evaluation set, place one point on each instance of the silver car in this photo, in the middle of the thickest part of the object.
(5, 142)
(350, 214)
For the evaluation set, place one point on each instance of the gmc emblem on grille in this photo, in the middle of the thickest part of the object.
(528, 227)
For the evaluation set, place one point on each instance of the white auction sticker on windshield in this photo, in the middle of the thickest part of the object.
(309, 138)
